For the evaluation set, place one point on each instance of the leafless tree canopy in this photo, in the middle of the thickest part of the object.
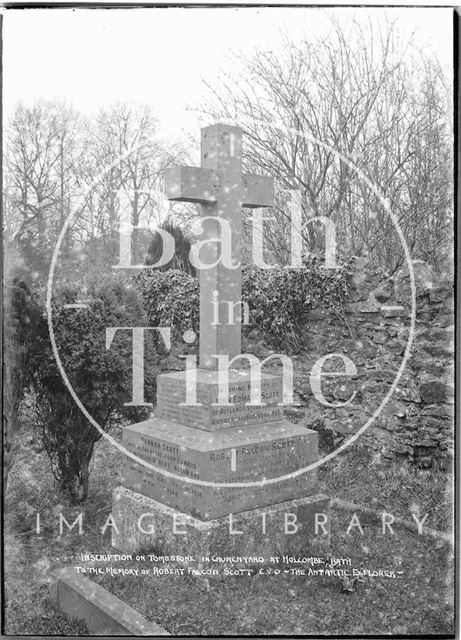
(365, 94)
(58, 162)
(319, 115)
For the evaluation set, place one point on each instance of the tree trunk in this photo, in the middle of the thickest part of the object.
(75, 477)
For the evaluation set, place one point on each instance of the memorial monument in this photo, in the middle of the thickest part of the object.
(204, 440)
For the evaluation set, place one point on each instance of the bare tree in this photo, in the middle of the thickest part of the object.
(323, 110)
(42, 151)
(131, 134)
(125, 160)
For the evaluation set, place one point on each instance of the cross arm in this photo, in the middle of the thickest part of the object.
(258, 191)
(191, 184)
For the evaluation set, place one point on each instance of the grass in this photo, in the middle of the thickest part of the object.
(400, 488)
(418, 602)
(29, 556)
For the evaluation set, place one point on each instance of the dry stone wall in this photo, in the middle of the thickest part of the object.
(417, 423)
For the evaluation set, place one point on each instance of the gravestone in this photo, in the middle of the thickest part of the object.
(201, 444)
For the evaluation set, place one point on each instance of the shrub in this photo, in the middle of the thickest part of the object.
(278, 298)
(22, 319)
(101, 378)
(171, 299)
(182, 245)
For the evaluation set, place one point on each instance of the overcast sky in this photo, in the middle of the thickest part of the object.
(158, 56)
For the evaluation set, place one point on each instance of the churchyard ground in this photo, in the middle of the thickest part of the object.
(419, 600)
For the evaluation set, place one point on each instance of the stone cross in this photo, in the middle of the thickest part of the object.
(222, 190)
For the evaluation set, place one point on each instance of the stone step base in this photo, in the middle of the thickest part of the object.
(182, 455)
(144, 525)
(171, 393)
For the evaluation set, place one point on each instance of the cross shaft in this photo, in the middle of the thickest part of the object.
(222, 190)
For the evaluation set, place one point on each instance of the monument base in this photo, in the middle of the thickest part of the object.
(293, 527)
(260, 451)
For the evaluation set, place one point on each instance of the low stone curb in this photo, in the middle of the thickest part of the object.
(406, 524)
(103, 613)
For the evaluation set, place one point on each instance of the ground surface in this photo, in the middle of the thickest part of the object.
(418, 601)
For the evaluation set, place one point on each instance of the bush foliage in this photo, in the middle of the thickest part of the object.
(171, 298)
(101, 378)
(278, 298)
(22, 322)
